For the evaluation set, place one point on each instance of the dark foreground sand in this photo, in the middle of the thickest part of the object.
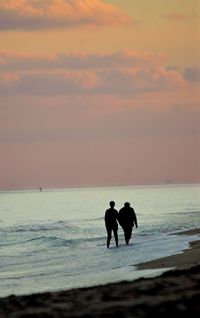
(174, 293)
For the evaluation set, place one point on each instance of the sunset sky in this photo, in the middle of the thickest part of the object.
(96, 93)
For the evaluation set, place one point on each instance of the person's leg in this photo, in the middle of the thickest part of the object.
(116, 237)
(127, 234)
(108, 237)
(125, 231)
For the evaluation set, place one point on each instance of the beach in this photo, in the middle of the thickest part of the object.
(175, 292)
(186, 259)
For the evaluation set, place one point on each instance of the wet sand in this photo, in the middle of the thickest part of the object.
(185, 259)
(176, 292)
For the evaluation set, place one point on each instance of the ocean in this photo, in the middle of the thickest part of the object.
(56, 239)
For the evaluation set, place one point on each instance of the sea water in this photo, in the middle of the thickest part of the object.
(56, 239)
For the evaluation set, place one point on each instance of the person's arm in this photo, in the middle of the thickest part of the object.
(119, 219)
(116, 215)
(135, 219)
(105, 216)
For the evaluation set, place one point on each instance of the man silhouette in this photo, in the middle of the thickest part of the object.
(111, 217)
(127, 219)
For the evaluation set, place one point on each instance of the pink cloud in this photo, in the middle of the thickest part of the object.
(122, 74)
(9, 79)
(91, 119)
(192, 74)
(39, 15)
(125, 59)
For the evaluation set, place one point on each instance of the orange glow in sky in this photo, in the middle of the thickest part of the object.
(96, 93)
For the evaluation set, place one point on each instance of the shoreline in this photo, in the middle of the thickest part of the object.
(185, 259)
(175, 292)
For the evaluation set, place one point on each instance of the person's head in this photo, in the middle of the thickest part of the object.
(112, 204)
(127, 204)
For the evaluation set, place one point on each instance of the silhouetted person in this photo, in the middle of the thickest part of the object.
(127, 219)
(111, 216)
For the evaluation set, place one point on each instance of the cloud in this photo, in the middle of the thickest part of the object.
(192, 74)
(175, 16)
(10, 60)
(30, 15)
(123, 73)
(180, 16)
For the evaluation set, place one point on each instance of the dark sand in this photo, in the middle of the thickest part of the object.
(176, 292)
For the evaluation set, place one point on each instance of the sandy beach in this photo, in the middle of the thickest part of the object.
(186, 259)
(176, 292)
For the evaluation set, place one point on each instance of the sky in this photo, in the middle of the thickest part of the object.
(99, 93)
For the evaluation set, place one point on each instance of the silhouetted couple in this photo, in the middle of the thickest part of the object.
(126, 217)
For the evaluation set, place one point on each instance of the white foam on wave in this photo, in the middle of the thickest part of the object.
(35, 227)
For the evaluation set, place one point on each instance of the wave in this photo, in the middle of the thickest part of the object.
(92, 219)
(186, 212)
(53, 240)
(50, 240)
(36, 227)
(97, 218)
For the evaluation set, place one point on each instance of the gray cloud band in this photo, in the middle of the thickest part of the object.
(42, 15)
